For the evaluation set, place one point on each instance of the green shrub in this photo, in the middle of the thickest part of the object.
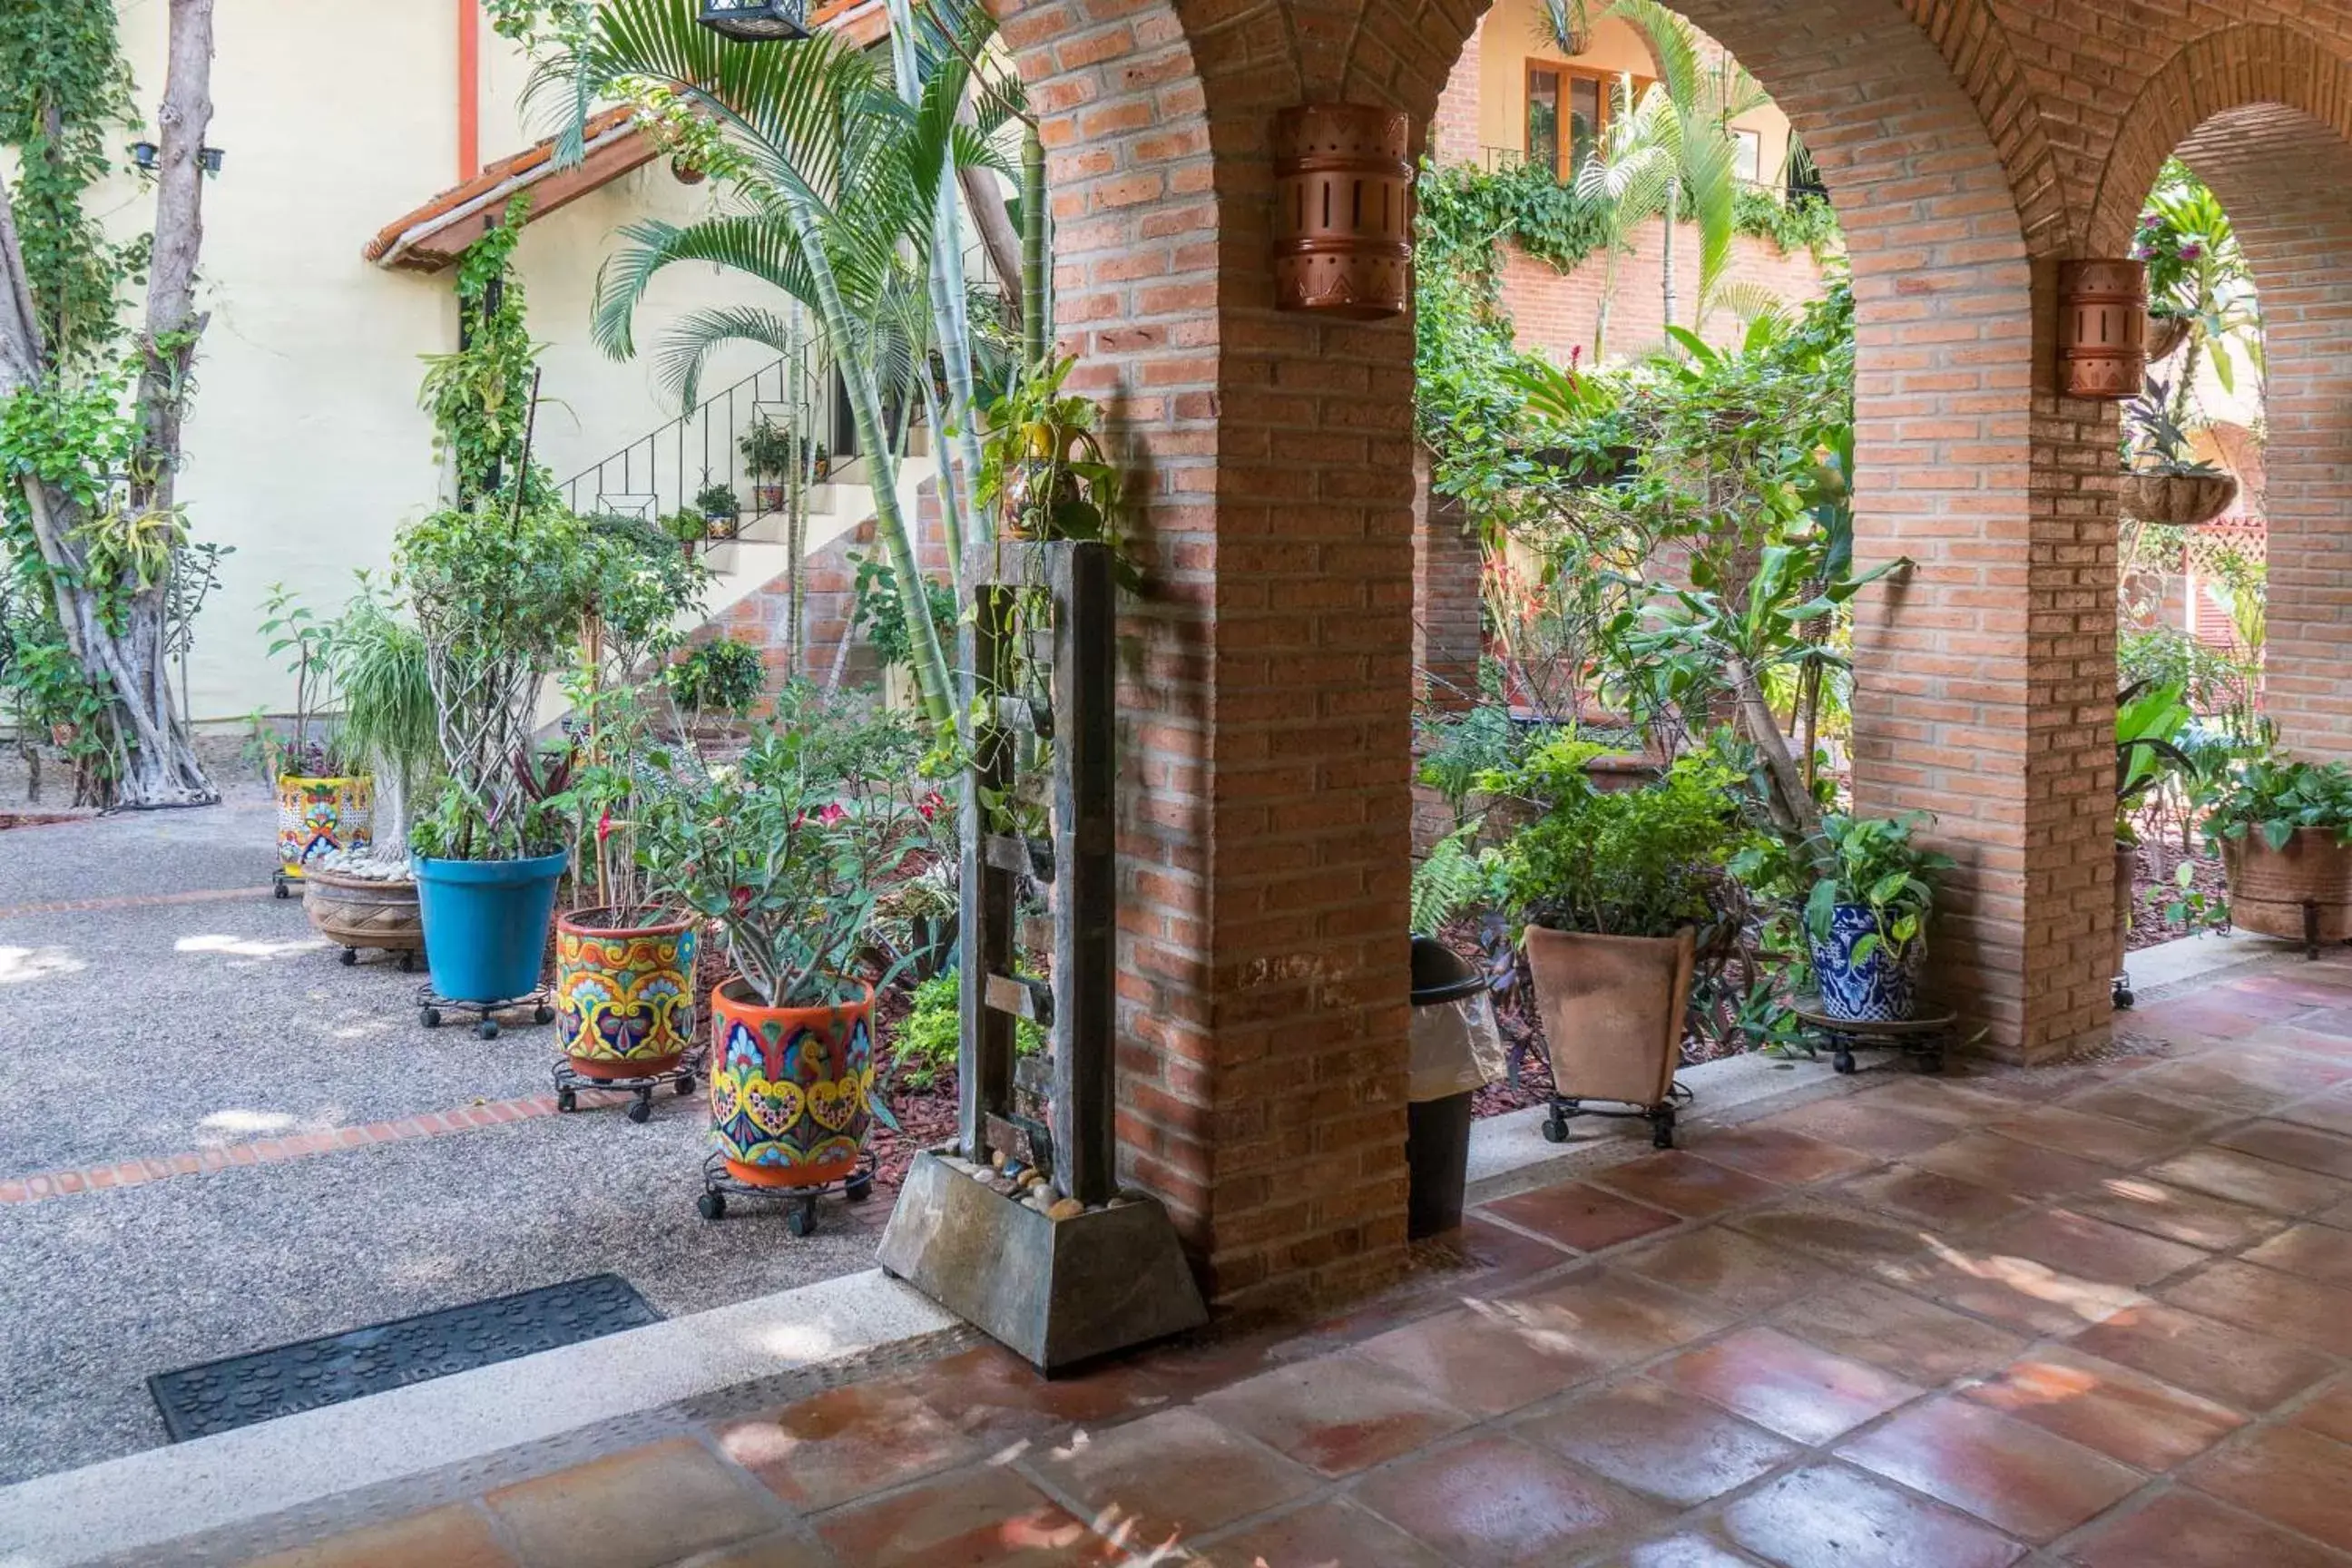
(1872, 862)
(720, 677)
(2275, 796)
(927, 1043)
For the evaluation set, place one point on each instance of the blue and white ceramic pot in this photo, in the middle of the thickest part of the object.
(1883, 987)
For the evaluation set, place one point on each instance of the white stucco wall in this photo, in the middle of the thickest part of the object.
(305, 449)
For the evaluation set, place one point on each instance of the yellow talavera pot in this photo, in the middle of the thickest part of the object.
(318, 816)
(624, 993)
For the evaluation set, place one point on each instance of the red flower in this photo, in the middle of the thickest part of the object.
(605, 825)
(929, 804)
(741, 898)
(832, 815)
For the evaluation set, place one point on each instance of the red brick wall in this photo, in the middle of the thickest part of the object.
(1454, 129)
(1555, 311)
(1447, 641)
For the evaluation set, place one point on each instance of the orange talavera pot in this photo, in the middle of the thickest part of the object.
(789, 1087)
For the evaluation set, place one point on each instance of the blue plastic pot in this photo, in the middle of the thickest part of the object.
(486, 923)
(1882, 987)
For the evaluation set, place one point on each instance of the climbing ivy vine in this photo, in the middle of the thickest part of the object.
(480, 397)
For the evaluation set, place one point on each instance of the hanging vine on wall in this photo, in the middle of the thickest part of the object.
(1466, 213)
(1802, 222)
(479, 396)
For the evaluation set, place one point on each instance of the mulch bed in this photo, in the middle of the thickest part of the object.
(2160, 859)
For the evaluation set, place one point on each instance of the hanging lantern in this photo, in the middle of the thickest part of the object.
(756, 21)
(2102, 329)
(1343, 210)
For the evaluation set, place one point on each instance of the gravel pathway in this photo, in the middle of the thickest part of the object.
(160, 1029)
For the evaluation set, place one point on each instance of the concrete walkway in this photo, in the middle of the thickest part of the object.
(218, 1139)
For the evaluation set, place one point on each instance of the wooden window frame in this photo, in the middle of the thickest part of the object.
(1605, 80)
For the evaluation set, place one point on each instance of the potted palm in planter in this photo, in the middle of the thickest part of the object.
(1615, 890)
(367, 897)
(2285, 830)
(786, 854)
(2164, 480)
(768, 460)
(1866, 919)
(499, 589)
(325, 805)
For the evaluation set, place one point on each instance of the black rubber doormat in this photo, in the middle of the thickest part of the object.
(237, 1390)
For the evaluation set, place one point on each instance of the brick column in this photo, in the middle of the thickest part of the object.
(1446, 618)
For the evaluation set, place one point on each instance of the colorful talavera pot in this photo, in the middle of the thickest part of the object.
(789, 1087)
(624, 993)
(320, 816)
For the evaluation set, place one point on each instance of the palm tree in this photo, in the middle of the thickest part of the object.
(1670, 151)
(839, 184)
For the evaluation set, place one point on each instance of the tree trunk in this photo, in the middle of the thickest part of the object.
(1036, 289)
(125, 652)
(1666, 248)
(998, 234)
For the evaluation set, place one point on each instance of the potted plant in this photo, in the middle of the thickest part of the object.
(787, 854)
(1041, 468)
(499, 589)
(2283, 828)
(367, 897)
(324, 806)
(1866, 919)
(722, 512)
(2164, 480)
(1615, 890)
(2149, 718)
(768, 459)
(718, 684)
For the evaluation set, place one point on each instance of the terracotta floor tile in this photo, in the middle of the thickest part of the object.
(1859, 1122)
(2209, 1086)
(1831, 1517)
(1580, 1216)
(1930, 1198)
(1734, 1273)
(2126, 1102)
(1939, 1099)
(846, 1442)
(1795, 1389)
(1494, 1503)
(1686, 1549)
(2330, 1415)
(2330, 1113)
(2090, 1248)
(2335, 1022)
(1774, 1155)
(2220, 1360)
(2123, 1414)
(2317, 1252)
(1654, 1440)
(2006, 1165)
(1485, 1358)
(1502, 1256)
(2312, 985)
(2020, 1292)
(2220, 1011)
(995, 1397)
(1336, 1414)
(2318, 1316)
(457, 1536)
(1614, 1317)
(2288, 1475)
(2079, 1132)
(1836, 1233)
(984, 1517)
(1175, 1474)
(1684, 1185)
(2285, 1144)
(2176, 1213)
(2242, 1178)
(2182, 1529)
(1322, 1535)
(791, 1547)
(2014, 1476)
(2271, 1058)
(1898, 1332)
(635, 1508)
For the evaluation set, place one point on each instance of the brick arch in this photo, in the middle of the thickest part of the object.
(2281, 173)
(2214, 73)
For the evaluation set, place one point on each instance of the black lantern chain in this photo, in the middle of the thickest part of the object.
(756, 21)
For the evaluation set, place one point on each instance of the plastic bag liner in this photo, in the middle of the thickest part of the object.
(1455, 1045)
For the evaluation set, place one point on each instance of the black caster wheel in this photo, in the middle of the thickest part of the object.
(684, 1084)
(1555, 1130)
(1842, 1062)
(284, 891)
(641, 1109)
(800, 1218)
(348, 957)
(1662, 1136)
(542, 1013)
(429, 1016)
(566, 1102)
(711, 1205)
(1932, 1062)
(2124, 998)
(487, 1028)
(858, 1188)
(408, 963)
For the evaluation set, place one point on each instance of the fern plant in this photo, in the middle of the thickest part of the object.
(1454, 880)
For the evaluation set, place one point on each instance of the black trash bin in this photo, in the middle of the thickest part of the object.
(1455, 1045)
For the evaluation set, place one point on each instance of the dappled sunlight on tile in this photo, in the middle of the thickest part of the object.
(246, 1123)
(21, 964)
(2082, 1298)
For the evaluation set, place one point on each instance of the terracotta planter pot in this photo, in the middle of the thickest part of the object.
(1612, 1011)
(354, 912)
(2268, 888)
(2184, 501)
(2126, 873)
(767, 498)
(624, 993)
(789, 1087)
(320, 816)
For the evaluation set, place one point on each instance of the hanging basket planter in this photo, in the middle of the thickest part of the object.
(2184, 501)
